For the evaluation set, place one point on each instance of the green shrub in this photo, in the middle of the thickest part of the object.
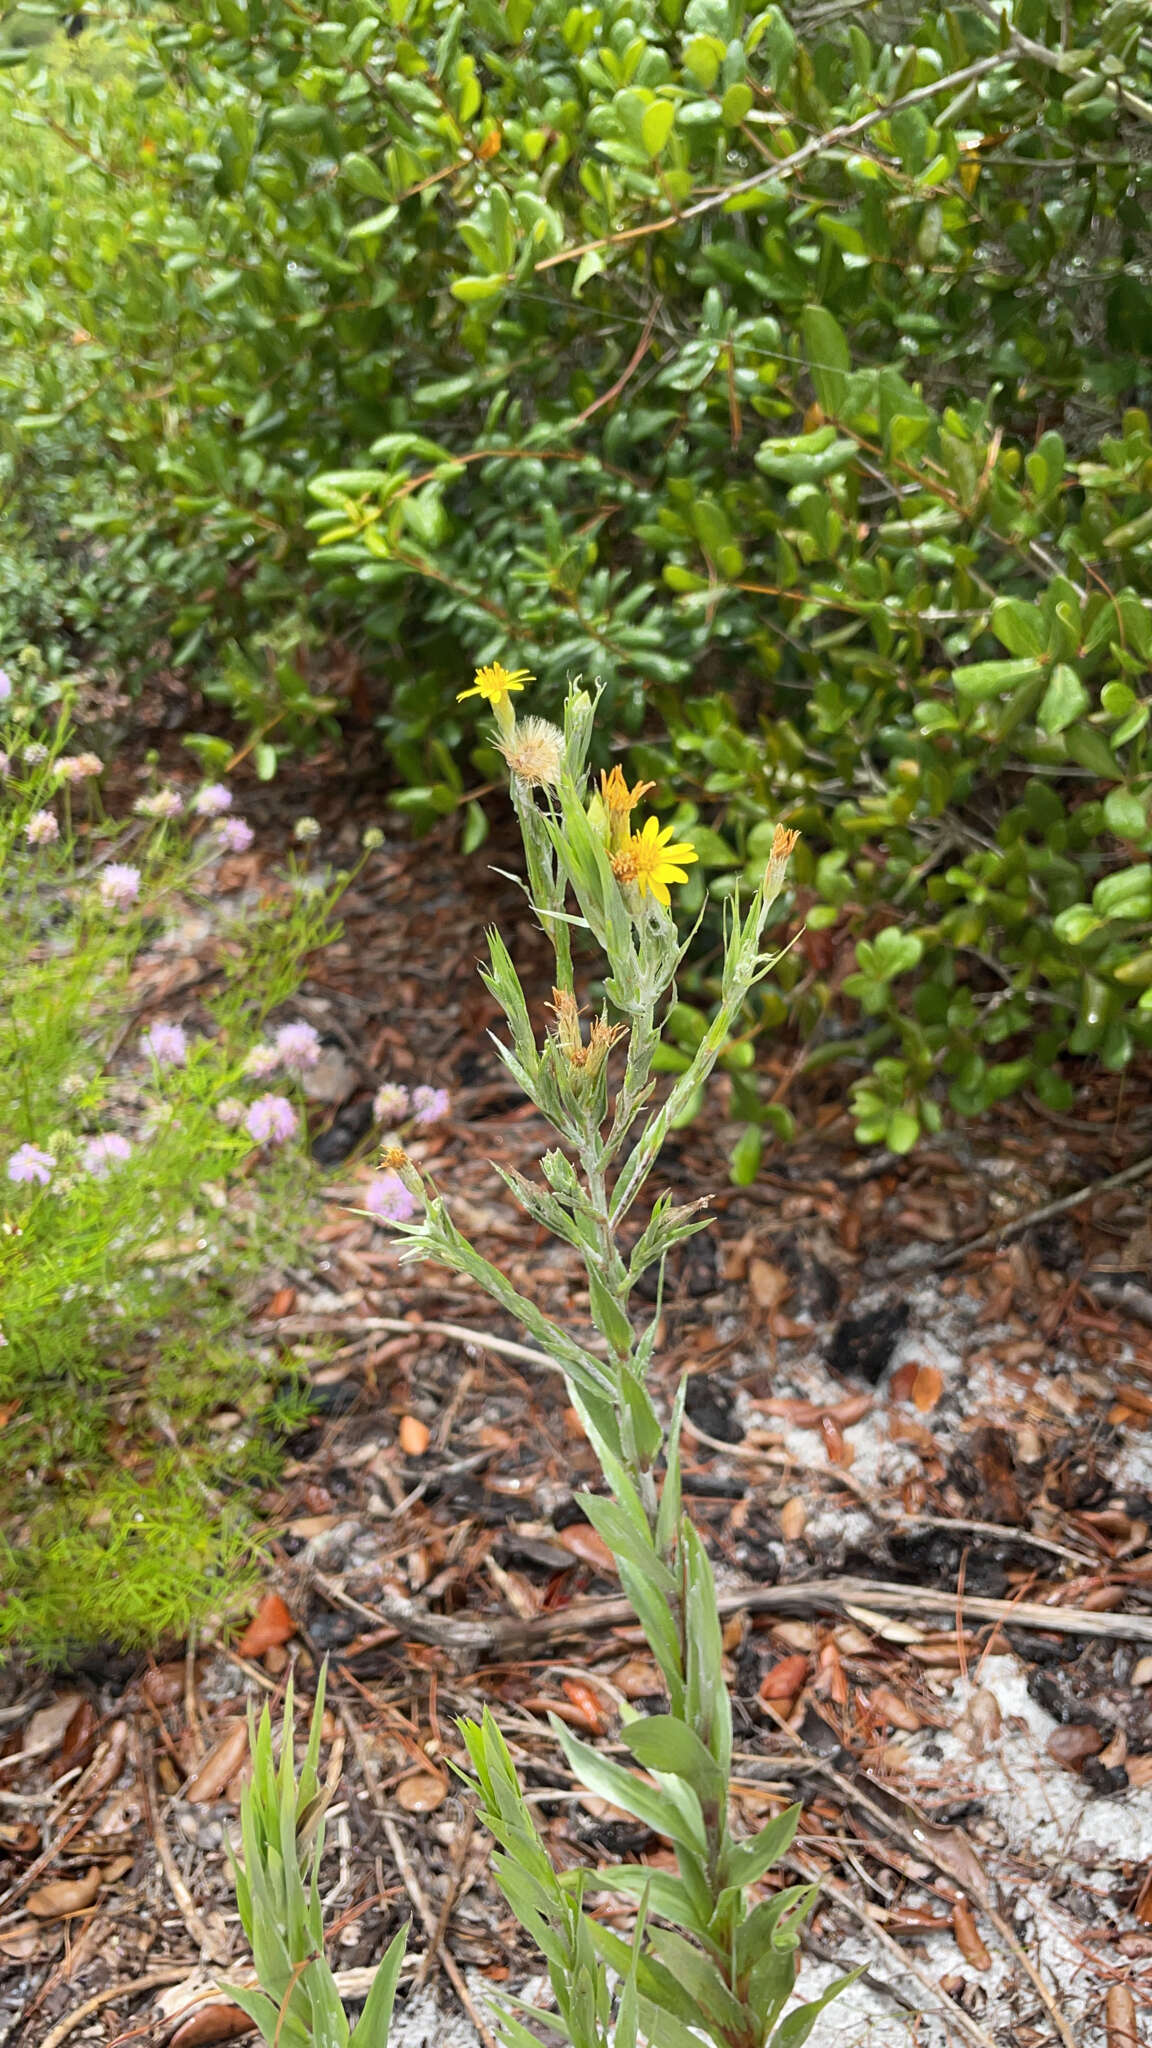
(788, 378)
(143, 1168)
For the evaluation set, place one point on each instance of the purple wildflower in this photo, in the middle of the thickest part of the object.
(119, 886)
(213, 799)
(163, 803)
(104, 1152)
(167, 1044)
(388, 1200)
(391, 1103)
(261, 1061)
(30, 1163)
(298, 1046)
(41, 829)
(5, 686)
(429, 1104)
(234, 835)
(271, 1120)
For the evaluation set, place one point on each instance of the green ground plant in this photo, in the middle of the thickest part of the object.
(142, 1167)
(708, 1958)
(785, 367)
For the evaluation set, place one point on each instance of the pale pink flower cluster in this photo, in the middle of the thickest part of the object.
(429, 1104)
(29, 1163)
(261, 1061)
(388, 1200)
(100, 1154)
(119, 886)
(214, 798)
(35, 754)
(162, 803)
(234, 835)
(271, 1120)
(297, 1047)
(391, 1103)
(78, 767)
(41, 829)
(167, 1044)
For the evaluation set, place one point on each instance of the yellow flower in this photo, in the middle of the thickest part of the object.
(651, 863)
(495, 683)
(617, 798)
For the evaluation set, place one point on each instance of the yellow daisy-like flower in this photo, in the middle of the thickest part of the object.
(495, 684)
(651, 862)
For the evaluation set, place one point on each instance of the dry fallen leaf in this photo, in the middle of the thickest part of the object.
(894, 1710)
(637, 1678)
(588, 1702)
(1120, 2017)
(783, 1680)
(968, 1937)
(583, 1542)
(24, 1941)
(1073, 1745)
(768, 1285)
(65, 1895)
(46, 1727)
(220, 2021)
(423, 1792)
(793, 1518)
(927, 1388)
(271, 1623)
(220, 1765)
(414, 1436)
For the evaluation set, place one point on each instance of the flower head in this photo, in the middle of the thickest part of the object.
(619, 801)
(230, 1112)
(534, 751)
(261, 1061)
(234, 835)
(119, 886)
(162, 803)
(271, 1120)
(5, 763)
(28, 1162)
(78, 767)
(210, 801)
(35, 754)
(388, 1200)
(104, 1152)
(372, 839)
(429, 1104)
(783, 841)
(167, 1044)
(298, 1047)
(5, 686)
(305, 829)
(391, 1102)
(495, 683)
(651, 862)
(41, 829)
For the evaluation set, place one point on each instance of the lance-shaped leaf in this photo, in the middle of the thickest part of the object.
(655, 1805)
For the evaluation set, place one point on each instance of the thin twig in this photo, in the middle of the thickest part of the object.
(207, 1940)
(444, 1955)
(130, 1987)
(991, 1239)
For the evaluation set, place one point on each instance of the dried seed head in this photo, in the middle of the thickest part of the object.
(534, 751)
